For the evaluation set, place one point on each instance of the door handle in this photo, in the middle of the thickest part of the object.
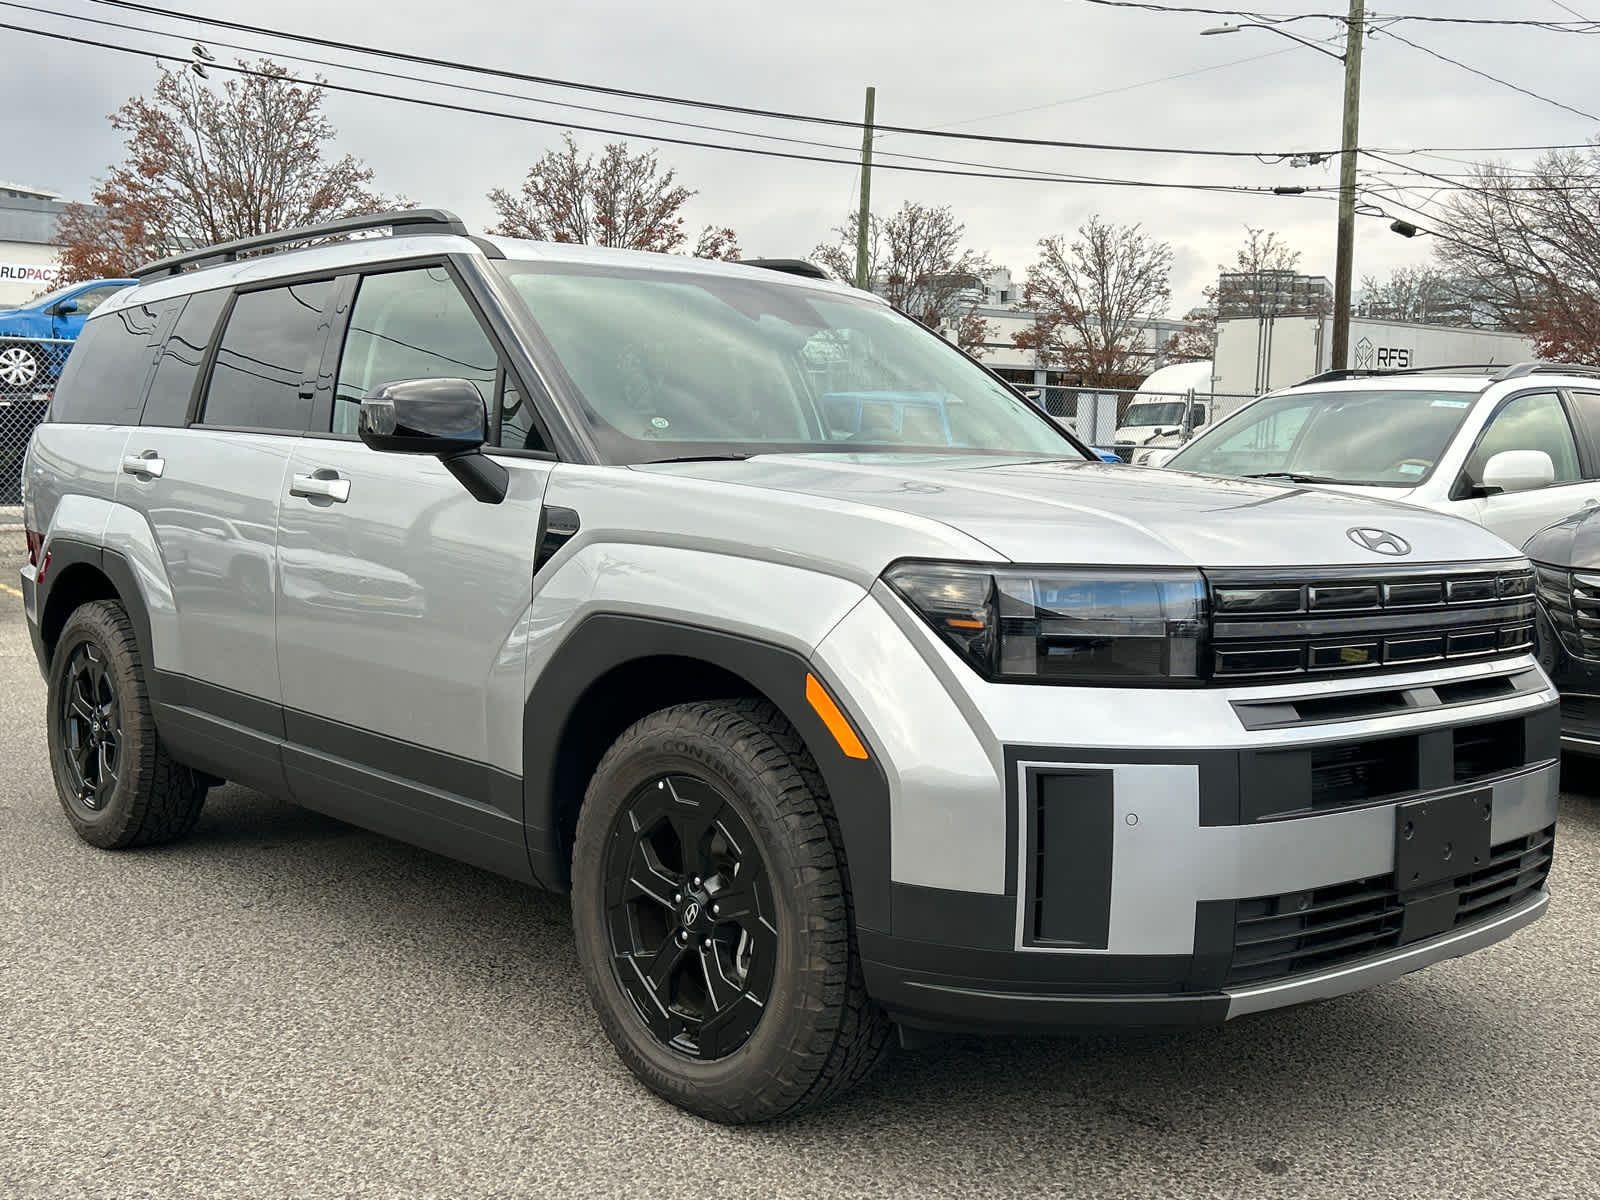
(320, 485)
(147, 463)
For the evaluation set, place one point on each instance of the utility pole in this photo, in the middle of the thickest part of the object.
(864, 214)
(1344, 247)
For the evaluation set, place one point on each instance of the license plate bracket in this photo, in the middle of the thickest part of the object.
(1441, 837)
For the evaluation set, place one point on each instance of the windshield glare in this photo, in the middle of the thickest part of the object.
(1166, 413)
(672, 365)
(1381, 437)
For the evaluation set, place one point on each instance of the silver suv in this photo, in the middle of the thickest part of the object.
(841, 689)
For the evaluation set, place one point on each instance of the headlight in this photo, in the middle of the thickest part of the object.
(1039, 625)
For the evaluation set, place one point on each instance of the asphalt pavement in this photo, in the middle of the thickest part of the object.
(285, 1006)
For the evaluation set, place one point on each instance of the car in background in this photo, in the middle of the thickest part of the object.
(36, 337)
(1566, 565)
(1512, 448)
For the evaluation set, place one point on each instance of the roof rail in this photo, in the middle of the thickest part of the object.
(398, 222)
(789, 266)
(1522, 369)
(1370, 372)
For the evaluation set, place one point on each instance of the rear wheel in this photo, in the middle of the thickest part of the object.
(712, 910)
(114, 778)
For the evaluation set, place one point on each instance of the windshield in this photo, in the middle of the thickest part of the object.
(1166, 413)
(686, 365)
(1379, 437)
(52, 296)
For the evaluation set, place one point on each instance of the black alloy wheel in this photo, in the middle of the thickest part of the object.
(690, 914)
(117, 784)
(712, 913)
(91, 727)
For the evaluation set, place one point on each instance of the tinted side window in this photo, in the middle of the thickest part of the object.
(182, 358)
(1587, 407)
(1531, 422)
(410, 325)
(104, 377)
(267, 359)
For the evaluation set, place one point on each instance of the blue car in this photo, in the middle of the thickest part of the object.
(35, 338)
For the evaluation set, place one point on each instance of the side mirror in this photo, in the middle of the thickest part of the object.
(62, 308)
(446, 418)
(1518, 471)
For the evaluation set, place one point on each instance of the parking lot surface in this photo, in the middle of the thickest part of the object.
(285, 1006)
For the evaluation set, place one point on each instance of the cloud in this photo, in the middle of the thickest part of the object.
(1083, 73)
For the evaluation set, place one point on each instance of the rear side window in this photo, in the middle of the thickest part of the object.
(105, 375)
(266, 363)
(181, 359)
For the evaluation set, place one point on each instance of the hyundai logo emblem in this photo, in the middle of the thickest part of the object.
(691, 912)
(1379, 541)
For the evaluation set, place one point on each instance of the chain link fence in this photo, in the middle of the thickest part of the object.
(29, 368)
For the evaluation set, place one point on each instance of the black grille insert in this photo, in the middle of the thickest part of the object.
(1348, 620)
(1359, 772)
(1279, 937)
(1489, 749)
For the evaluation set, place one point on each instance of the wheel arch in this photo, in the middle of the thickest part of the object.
(614, 669)
(80, 572)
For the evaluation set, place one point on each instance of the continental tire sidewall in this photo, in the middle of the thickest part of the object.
(733, 1088)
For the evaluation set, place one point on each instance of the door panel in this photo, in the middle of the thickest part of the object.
(398, 605)
(214, 512)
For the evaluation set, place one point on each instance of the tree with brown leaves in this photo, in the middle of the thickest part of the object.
(207, 165)
(613, 199)
(916, 261)
(1093, 298)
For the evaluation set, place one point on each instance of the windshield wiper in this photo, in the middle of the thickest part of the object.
(732, 456)
(1292, 477)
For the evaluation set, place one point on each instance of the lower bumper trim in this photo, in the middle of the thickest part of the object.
(1361, 975)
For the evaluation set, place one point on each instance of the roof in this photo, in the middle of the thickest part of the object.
(360, 252)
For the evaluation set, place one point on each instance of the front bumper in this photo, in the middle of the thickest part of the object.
(1251, 854)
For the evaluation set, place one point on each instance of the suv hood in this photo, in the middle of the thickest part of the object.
(1069, 511)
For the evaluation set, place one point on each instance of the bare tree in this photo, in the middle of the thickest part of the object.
(917, 262)
(1262, 281)
(207, 165)
(1093, 298)
(1423, 294)
(1525, 247)
(613, 199)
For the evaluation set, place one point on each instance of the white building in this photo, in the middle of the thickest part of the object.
(28, 219)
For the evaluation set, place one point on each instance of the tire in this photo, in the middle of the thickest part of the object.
(115, 780)
(21, 369)
(772, 928)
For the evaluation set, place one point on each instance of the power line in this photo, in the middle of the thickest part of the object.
(505, 95)
(1240, 189)
(1583, 26)
(658, 98)
(1492, 78)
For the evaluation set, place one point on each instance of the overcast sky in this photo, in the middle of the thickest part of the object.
(1058, 69)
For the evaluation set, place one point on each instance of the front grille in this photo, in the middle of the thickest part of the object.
(1572, 598)
(1279, 937)
(1344, 621)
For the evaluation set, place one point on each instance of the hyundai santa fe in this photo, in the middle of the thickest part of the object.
(847, 696)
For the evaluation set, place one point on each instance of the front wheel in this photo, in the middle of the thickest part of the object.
(712, 910)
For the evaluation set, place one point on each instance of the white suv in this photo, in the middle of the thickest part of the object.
(1511, 448)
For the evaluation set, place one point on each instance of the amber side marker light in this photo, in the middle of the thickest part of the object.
(822, 703)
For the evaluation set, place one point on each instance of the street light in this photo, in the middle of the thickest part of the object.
(1344, 246)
